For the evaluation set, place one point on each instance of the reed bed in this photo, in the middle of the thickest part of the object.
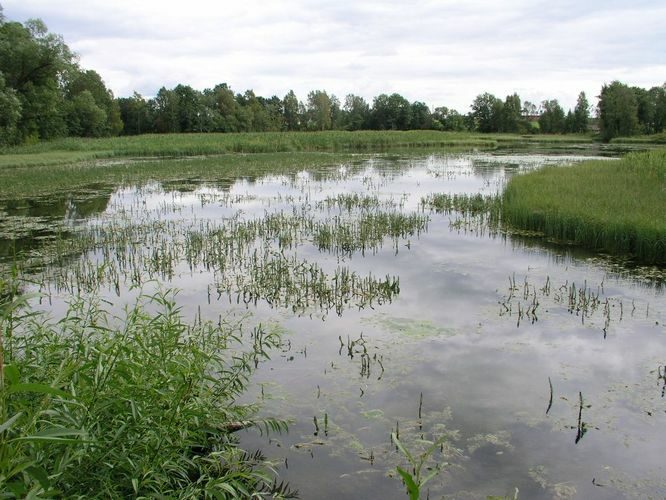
(612, 206)
(263, 142)
(76, 150)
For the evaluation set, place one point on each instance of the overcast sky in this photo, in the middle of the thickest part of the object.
(442, 52)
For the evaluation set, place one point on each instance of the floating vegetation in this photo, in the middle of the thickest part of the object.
(560, 491)
(358, 348)
(500, 439)
(410, 328)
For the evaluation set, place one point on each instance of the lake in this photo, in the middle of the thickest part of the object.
(535, 366)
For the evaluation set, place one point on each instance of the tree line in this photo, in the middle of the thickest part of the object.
(45, 94)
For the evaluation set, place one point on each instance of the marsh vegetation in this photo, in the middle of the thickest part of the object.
(375, 304)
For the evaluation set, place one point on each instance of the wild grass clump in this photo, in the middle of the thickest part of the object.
(476, 213)
(465, 204)
(613, 206)
(143, 406)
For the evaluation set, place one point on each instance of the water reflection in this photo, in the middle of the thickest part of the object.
(27, 224)
(535, 362)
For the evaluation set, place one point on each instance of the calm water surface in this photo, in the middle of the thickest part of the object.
(542, 368)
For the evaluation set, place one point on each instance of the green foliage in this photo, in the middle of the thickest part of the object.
(55, 97)
(614, 206)
(618, 111)
(290, 108)
(415, 479)
(10, 114)
(448, 119)
(143, 405)
(486, 111)
(581, 115)
(511, 119)
(134, 114)
(552, 119)
(421, 116)
(391, 112)
(33, 63)
(90, 81)
(319, 111)
(84, 117)
(356, 113)
(650, 109)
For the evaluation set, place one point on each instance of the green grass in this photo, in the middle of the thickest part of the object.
(641, 139)
(265, 142)
(612, 206)
(69, 150)
(68, 163)
(94, 406)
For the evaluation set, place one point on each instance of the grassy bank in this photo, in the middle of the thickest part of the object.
(64, 164)
(71, 150)
(264, 142)
(143, 406)
(641, 139)
(612, 206)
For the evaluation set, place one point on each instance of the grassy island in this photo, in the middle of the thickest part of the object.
(613, 206)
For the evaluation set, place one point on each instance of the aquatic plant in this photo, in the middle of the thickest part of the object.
(415, 479)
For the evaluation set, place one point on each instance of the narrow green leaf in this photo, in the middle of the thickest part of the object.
(412, 487)
(11, 374)
(60, 435)
(20, 468)
(46, 439)
(9, 422)
(59, 431)
(402, 449)
(429, 476)
(40, 389)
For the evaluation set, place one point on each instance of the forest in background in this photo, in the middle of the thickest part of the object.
(46, 94)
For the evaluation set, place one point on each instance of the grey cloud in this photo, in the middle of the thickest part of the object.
(441, 52)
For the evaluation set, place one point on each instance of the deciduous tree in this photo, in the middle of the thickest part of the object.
(319, 110)
(618, 111)
(552, 119)
(581, 114)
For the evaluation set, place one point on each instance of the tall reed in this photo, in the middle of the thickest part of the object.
(613, 206)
